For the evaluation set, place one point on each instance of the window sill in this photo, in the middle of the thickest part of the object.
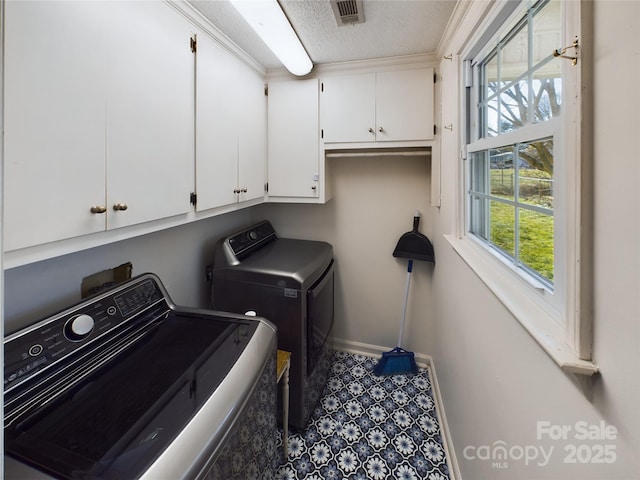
(531, 314)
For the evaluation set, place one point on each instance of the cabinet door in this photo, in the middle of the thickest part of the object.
(54, 80)
(348, 108)
(231, 128)
(150, 113)
(216, 125)
(293, 157)
(404, 105)
(252, 134)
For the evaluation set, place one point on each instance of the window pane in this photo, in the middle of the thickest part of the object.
(478, 212)
(514, 106)
(478, 203)
(520, 225)
(547, 31)
(491, 75)
(547, 92)
(536, 242)
(515, 56)
(517, 89)
(478, 169)
(503, 227)
(535, 173)
(547, 82)
(489, 91)
(491, 116)
(502, 173)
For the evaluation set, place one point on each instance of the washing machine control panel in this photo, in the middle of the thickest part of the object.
(92, 322)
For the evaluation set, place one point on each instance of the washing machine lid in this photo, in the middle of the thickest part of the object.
(118, 420)
(285, 262)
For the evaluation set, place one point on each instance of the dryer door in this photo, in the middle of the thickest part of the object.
(320, 313)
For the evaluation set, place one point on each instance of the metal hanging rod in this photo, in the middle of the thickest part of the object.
(379, 152)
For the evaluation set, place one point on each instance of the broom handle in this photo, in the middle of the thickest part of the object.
(416, 221)
(406, 298)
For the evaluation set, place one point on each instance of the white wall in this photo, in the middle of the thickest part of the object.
(497, 383)
(178, 256)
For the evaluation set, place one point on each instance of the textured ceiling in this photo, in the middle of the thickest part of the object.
(391, 28)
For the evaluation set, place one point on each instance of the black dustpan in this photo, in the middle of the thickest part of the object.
(414, 245)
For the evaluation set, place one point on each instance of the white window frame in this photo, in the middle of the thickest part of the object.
(548, 129)
(560, 321)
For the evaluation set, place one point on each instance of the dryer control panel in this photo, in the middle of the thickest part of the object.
(241, 244)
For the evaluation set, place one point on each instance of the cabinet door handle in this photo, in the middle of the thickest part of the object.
(371, 130)
(98, 209)
(380, 129)
(120, 207)
(313, 187)
(244, 190)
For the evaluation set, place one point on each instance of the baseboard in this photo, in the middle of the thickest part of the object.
(423, 361)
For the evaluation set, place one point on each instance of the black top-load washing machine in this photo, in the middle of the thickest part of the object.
(289, 282)
(128, 385)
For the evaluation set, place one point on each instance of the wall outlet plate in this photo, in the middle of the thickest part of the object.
(100, 281)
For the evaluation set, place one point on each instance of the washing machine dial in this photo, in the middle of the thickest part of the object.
(78, 327)
(253, 235)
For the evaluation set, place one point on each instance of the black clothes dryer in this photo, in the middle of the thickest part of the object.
(289, 282)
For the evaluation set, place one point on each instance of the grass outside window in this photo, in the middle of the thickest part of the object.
(514, 205)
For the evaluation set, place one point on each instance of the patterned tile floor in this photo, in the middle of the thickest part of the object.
(369, 427)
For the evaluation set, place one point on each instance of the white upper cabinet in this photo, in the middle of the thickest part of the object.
(230, 128)
(150, 113)
(349, 108)
(99, 116)
(404, 105)
(54, 121)
(293, 154)
(252, 135)
(216, 133)
(389, 106)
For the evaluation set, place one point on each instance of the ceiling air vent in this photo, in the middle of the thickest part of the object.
(347, 12)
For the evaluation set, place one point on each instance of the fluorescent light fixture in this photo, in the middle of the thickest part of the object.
(270, 23)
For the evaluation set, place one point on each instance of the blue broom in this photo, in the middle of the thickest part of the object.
(412, 245)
